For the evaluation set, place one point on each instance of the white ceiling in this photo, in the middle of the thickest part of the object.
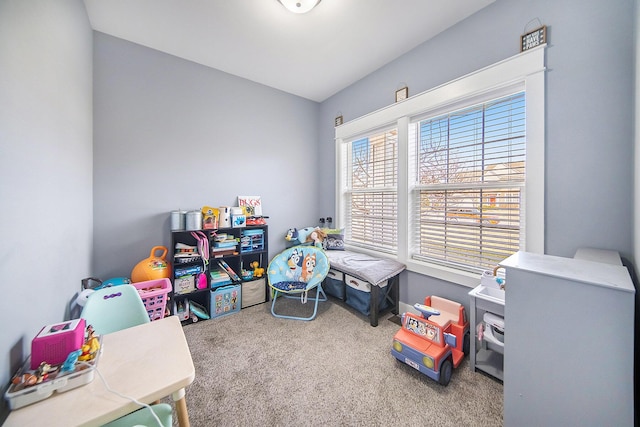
(313, 55)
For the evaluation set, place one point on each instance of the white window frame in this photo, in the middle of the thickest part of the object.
(525, 70)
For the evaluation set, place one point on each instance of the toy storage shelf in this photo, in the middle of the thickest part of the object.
(251, 246)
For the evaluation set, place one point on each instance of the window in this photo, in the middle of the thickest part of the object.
(450, 181)
(467, 184)
(370, 196)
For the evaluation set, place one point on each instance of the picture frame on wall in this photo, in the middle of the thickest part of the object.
(402, 94)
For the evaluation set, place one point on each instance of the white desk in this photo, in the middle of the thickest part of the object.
(148, 362)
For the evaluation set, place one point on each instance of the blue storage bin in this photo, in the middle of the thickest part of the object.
(252, 240)
(333, 284)
(358, 294)
(225, 300)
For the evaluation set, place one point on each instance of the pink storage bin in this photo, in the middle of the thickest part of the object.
(154, 296)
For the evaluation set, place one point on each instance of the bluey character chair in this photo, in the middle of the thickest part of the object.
(296, 271)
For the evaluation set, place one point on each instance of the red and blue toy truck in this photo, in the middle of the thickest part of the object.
(435, 341)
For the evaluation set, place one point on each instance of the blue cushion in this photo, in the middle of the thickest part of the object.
(290, 286)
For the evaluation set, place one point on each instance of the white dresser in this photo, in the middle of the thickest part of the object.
(569, 340)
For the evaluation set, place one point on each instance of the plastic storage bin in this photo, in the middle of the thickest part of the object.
(225, 300)
(252, 240)
(56, 383)
(358, 294)
(154, 296)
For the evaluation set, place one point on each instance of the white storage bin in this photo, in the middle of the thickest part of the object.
(358, 293)
(56, 383)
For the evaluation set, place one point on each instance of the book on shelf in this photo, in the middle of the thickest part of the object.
(220, 252)
(229, 270)
(219, 276)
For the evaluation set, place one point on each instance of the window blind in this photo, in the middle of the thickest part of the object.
(371, 193)
(468, 168)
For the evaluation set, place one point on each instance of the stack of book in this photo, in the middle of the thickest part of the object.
(232, 274)
(220, 277)
(185, 253)
(224, 244)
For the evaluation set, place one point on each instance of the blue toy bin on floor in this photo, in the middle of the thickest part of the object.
(225, 300)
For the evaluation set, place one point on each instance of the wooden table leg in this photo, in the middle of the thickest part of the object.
(181, 408)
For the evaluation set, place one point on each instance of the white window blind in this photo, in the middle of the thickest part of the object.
(370, 197)
(468, 172)
(464, 200)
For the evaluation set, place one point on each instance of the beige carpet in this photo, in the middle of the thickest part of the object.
(256, 370)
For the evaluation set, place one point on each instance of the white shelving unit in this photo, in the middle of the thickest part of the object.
(487, 357)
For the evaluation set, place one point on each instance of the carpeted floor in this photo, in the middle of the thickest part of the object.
(253, 369)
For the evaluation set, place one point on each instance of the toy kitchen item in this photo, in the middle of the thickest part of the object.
(194, 220)
(224, 220)
(491, 280)
(238, 218)
(486, 308)
(209, 218)
(178, 220)
(493, 329)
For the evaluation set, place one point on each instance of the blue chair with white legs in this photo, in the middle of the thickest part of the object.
(293, 273)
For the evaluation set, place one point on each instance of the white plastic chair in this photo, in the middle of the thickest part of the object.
(113, 309)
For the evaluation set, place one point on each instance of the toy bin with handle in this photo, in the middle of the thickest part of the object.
(154, 296)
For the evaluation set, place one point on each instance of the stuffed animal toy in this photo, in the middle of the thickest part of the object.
(257, 270)
(292, 235)
(316, 237)
(306, 235)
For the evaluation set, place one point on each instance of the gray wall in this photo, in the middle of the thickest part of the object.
(172, 134)
(45, 167)
(589, 105)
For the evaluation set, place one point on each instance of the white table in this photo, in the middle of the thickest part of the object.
(148, 362)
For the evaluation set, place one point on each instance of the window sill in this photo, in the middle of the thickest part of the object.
(463, 278)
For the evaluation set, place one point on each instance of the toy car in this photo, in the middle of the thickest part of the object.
(435, 341)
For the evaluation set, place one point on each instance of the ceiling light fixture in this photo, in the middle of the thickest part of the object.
(299, 6)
